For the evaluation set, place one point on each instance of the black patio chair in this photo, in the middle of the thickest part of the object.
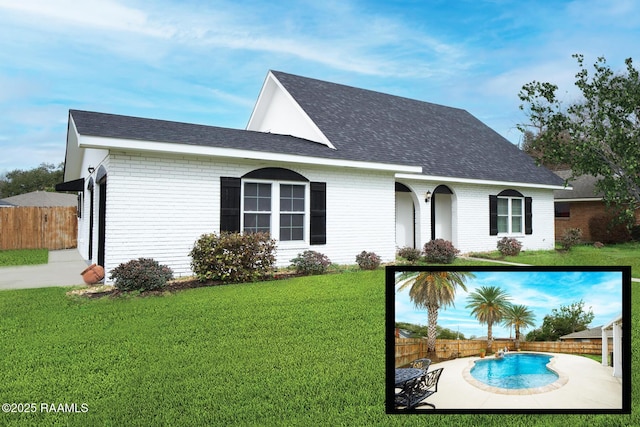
(421, 364)
(417, 390)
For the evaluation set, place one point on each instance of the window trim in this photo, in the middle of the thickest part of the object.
(510, 216)
(275, 208)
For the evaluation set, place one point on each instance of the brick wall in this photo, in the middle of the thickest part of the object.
(579, 216)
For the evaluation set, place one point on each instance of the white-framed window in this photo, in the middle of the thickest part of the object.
(277, 207)
(510, 215)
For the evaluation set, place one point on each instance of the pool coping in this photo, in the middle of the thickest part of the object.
(561, 381)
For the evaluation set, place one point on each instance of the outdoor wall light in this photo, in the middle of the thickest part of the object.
(91, 169)
(427, 196)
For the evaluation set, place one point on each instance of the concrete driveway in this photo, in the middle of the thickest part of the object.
(63, 269)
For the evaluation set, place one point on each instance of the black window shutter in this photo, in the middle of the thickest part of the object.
(318, 214)
(528, 216)
(493, 215)
(230, 204)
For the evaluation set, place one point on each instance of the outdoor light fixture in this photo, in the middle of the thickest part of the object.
(427, 196)
(91, 169)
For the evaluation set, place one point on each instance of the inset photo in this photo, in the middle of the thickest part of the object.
(508, 339)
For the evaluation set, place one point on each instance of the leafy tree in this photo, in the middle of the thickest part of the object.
(563, 321)
(432, 290)
(489, 305)
(520, 317)
(43, 178)
(597, 135)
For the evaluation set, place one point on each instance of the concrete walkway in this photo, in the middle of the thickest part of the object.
(589, 385)
(63, 269)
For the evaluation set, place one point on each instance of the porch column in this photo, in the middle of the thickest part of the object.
(617, 350)
(605, 348)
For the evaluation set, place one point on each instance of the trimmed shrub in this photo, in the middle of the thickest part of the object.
(440, 251)
(368, 260)
(310, 262)
(508, 246)
(233, 257)
(570, 238)
(635, 233)
(409, 253)
(603, 229)
(142, 274)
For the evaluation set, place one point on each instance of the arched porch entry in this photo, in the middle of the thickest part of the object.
(442, 213)
(405, 217)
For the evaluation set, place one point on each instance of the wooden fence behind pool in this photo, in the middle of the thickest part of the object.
(38, 228)
(410, 349)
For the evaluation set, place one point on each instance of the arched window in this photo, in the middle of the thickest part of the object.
(279, 201)
(510, 213)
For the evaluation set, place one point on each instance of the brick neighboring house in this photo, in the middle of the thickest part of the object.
(575, 208)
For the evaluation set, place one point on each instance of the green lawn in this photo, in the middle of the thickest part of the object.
(582, 255)
(23, 257)
(302, 351)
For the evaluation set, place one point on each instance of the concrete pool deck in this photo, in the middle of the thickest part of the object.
(589, 385)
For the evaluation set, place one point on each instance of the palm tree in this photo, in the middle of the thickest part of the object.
(432, 290)
(488, 304)
(518, 316)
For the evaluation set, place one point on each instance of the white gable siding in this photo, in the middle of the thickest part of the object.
(157, 207)
(277, 112)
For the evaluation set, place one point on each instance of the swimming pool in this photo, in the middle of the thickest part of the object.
(515, 371)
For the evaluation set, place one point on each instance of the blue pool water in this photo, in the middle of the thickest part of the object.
(515, 371)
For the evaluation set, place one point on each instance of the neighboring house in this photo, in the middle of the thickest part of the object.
(588, 335)
(43, 199)
(4, 204)
(576, 208)
(321, 166)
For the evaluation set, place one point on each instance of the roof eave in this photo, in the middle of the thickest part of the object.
(478, 181)
(97, 142)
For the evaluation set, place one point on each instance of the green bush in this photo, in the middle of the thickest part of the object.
(233, 257)
(440, 251)
(570, 238)
(368, 260)
(409, 253)
(311, 262)
(603, 228)
(508, 246)
(142, 274)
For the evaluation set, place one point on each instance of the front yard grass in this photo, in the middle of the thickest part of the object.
(300, 351)
(581, 255)
(23, 257)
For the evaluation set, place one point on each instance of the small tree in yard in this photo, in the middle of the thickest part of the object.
(596, 135)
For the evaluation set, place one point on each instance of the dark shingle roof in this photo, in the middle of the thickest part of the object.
(445, 141)
(584, 187)
(363, 126)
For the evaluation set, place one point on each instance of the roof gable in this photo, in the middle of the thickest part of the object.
(276, 111)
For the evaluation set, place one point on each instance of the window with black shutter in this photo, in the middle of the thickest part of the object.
(510, 213)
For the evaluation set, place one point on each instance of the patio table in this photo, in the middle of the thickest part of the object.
(405, 374)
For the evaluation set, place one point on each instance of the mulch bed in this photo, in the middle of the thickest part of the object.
(173, 286)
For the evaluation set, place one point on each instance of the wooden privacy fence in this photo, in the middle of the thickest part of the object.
(409, 349)
(38, 228)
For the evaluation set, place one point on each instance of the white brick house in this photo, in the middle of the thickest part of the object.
(321, 166)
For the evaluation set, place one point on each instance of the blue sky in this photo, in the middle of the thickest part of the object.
(205, 61)
(540, 291)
